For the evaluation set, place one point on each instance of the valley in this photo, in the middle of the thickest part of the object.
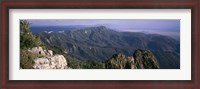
(100, 43)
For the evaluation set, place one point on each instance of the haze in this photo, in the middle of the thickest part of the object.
(166, 27)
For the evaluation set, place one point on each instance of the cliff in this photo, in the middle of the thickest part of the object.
(141, 59)
(47, 60)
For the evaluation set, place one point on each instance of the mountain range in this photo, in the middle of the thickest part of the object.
(100, 43)
(36, 29)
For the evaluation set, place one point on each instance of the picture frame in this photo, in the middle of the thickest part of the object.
(103, 4)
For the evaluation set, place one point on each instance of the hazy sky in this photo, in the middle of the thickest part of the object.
(120, 25)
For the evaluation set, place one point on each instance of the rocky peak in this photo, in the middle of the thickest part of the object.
(130, 63)
(117, 61)
(141, 59)
(145, 59)
(47, 60)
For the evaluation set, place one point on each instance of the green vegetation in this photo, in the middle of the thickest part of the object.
(81, 64)
(26, 61)
(27, 39)
(100, 43)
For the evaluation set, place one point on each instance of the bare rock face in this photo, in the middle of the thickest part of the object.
(41, 63)
(130, 63)
(144, 59)
(141, 59)
(48, 60)
(50, 52)
(55, 62)
(40, 51)
(117, 61)
(58, 62)
(37, 50)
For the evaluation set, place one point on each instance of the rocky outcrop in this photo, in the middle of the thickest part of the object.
(40, 51)
(141, 59)
(144, 59)
(54, 62)
(130, 63)
(46, 59)
(117, 61)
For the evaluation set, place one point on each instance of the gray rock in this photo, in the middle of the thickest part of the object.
(54, 62)
(130, 63)
(58, 62)
(50, 52)
(144, 59)
(48, 60)
(37, 50)
(141, 59)
(117, 61)
(41, 63)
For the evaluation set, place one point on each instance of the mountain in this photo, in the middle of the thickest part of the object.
(36, 29)
(141, 59)
(145, 59)
(100, 43)
(36, 55)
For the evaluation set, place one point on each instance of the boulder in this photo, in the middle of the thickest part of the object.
(40, 51)
(48, 60)
(50, 52)
(58, 62)
(37, 50)
(41, 63)
(54, 62)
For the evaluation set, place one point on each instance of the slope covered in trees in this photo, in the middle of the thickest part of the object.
(100, 43)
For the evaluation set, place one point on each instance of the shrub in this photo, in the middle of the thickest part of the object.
(27, 39)
(26, 59)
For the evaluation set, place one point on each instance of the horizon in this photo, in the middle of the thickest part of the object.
(167, 27)
(120, 25)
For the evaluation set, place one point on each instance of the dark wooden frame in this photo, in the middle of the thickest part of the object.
(99, 4)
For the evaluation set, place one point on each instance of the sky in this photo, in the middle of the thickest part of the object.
(169, 26)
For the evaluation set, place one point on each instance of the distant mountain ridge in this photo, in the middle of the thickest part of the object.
(36, 29)
(100, 43)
